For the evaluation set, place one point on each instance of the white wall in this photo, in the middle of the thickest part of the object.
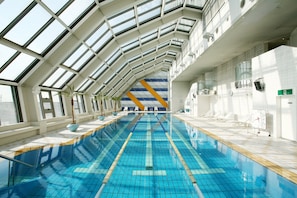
(278, 68)
(179, 92)
(229, 99)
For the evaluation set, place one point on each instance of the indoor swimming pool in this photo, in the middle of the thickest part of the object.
(141, 155)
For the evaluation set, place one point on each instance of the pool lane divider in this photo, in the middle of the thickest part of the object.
(97, 162)
(186, 167)
(113, 165)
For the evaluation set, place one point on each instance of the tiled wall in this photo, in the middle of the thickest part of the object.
(159, 82)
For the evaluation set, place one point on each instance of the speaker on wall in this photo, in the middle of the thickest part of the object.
(259, 84)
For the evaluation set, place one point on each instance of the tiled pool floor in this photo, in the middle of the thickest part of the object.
(277, 154)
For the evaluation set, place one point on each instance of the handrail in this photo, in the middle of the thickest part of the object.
(17, 161)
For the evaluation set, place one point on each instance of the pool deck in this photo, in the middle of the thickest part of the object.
(278, 155)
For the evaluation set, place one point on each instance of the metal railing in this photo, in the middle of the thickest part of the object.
(9, 167)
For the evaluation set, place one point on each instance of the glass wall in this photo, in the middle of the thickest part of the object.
(9, 106)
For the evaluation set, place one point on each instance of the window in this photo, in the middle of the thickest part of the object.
(79, 104)
(95, 104)
(9, 105)
(50, 104)
(243, 75)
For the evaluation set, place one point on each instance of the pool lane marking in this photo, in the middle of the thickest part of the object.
(113, 165)
(149, 150)
(186, 167)
(200, 161)
(149, 157)
(149, 173)
(94, 167)
(204, 167)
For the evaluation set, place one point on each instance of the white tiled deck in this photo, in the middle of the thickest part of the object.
(279, 155)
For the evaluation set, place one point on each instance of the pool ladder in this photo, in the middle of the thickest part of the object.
(12, 160)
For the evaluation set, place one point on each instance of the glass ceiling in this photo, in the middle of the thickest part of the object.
(31, 30)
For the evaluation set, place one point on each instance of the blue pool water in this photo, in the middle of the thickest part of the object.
(134, 157)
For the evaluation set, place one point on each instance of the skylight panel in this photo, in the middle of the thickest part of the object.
(130, 45)
(177, 42)
(82, 60)
(195, 3)
(121, 67)
(99, 71)
(55, 6)
(101, 43)
(167, 28)
(63, 80)
(54, 77)
(148, 6)
(149, 51)
(162, 45)
(188, 22)
(31, 23)
(6, 54)
(19, 65)
(135, 58)
(75, 55)
(114, 57)
(172, 5)
(149, 10)
(99, 89)
(185, 25)
(184, 28)
(171, 53)
(71, 13)
(149, 15)
(117, 82)
(83, 86)
(136, 66)
(97, 34)
(124, 26)
(126, 74)
(120, 18)
(159, 56)
(110, 79)
(149, 61)
(10, 9)
(149, 37)
(48, 36)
